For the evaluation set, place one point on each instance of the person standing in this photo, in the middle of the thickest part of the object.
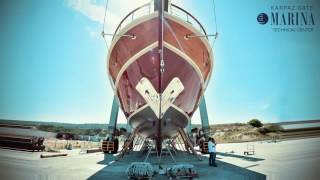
(212, 152)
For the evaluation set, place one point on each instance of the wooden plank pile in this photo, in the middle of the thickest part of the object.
(53, 155)
(93, 150)
(30, 143)
(110, 146)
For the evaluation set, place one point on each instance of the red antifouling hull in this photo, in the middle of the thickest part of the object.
(149, 98)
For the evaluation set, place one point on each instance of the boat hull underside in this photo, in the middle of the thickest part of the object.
(183, 105)
(135, 64)
(148, 127)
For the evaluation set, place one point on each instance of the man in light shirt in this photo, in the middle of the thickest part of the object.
(212, 152)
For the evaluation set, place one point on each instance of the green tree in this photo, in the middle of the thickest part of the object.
(255, 123)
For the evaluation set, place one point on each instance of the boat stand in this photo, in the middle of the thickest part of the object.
(187, 143)
(203, 116)
(159, 156)
(112, 126)
(127, 144)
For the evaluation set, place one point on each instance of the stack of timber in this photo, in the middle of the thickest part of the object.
(29, 143)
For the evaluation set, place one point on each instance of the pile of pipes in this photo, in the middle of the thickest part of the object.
(140, 170)
(182, 170)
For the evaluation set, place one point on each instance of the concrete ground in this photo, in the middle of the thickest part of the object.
(224, 170)
(286, 160)
(294, 159)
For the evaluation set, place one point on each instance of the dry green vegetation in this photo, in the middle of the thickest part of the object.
(254, 130)
(73, 130)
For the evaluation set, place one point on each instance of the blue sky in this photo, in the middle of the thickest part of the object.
(53, 62)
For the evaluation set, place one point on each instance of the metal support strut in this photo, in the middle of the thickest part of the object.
(204, 116)
(113, 116)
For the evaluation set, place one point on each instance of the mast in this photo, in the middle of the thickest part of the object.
(165, 5)
(161, 70)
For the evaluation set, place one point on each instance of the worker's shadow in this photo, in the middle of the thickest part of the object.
(108, 159)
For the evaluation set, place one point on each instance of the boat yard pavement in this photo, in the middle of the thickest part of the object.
(293, 159)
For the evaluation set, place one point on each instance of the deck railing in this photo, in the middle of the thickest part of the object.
(134, 14)
(187, 17)
(174, 10)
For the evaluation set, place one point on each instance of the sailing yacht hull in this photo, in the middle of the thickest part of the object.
(151, 98)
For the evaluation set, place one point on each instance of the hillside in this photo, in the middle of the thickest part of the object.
(65, 125)
(56, 127)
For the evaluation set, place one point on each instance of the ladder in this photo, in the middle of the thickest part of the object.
(127, 144)
(139, 143)
(187, 142)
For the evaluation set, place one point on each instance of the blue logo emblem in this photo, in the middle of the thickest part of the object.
(262, 18)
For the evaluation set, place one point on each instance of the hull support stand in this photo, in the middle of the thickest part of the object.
(187, 143)
(113, 116)
(128, 144)
(204, 116)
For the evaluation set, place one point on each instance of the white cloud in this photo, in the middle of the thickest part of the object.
(117, 9)
(95, 11)
(88, 8)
